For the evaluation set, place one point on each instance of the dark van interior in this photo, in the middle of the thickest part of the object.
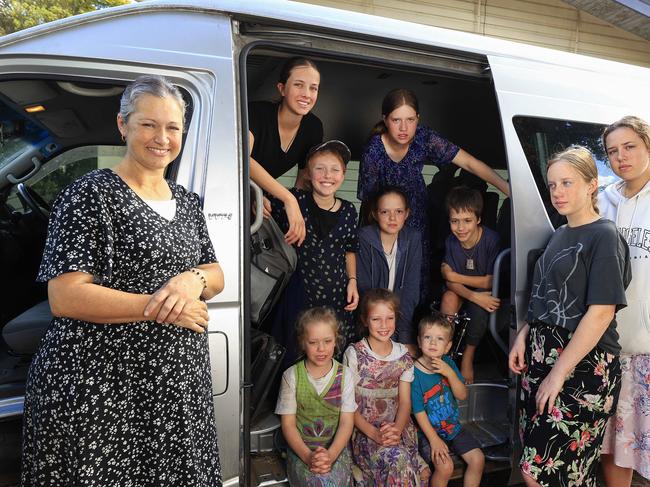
(461, 105)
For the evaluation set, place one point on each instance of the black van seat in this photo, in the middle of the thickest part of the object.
(24, 332)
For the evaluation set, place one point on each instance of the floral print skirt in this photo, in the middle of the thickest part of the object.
(627, 436)
(389, 466)
(561, 449)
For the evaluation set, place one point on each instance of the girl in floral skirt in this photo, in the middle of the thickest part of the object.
(317, 406)
(567, 354)
(384, 443)
(627, 440)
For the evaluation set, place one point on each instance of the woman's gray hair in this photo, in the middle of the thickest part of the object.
(149, 84)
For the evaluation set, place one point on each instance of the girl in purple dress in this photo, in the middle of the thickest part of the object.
(396, 153)
(384, 442)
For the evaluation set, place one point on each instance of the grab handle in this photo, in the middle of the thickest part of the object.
(37, 165)
(496, 277)
(259, 207)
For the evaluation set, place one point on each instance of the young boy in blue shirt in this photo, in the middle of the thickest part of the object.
(470, 252)
(434, 391)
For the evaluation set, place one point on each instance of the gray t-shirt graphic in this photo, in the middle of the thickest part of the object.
(581, 266)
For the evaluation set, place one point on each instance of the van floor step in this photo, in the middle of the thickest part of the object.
(267, 470)
(497, 453)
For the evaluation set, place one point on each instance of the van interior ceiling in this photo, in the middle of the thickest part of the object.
(463, 108)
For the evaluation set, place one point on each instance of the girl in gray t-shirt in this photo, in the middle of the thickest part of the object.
(567, 354)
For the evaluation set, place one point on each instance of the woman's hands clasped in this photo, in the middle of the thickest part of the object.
(177, 302)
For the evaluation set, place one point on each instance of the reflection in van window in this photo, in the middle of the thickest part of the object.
(542, 137)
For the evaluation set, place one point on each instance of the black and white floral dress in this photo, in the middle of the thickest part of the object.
(121, 404)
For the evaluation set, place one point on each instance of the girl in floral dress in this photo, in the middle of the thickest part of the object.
(317, 406)
(384, 443)
(627, 440)
(567, 354)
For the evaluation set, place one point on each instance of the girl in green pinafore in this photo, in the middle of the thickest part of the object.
(317, 406)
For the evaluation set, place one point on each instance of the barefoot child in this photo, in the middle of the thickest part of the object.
(317, 406)
(470, 252)
(384, 443)
(436, 387)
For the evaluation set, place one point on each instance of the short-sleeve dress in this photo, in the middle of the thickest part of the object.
(581, 266)
(317, 405)
(377, 394)
(121, 404)
(377, 169)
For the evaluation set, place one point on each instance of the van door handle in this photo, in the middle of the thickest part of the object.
(496, 277)
(259, 207)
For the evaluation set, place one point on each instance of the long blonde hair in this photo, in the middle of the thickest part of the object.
(581, 159)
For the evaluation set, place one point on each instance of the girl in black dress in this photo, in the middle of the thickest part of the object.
(327, 268)
(119, 392)
(567, 353)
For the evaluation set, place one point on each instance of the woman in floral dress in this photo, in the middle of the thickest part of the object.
(119, 392)
(567, 354)
(627, 440)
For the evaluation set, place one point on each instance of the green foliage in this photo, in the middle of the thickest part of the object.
(20, 14)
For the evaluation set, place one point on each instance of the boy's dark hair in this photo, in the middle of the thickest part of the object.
(463, 198)
(436, 318)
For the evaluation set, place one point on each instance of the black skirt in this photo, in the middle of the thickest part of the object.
(562, 449)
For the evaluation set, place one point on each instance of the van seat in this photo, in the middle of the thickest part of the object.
(24, 332)
(485, 413)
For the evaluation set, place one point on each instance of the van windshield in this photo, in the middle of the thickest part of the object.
(18, 135)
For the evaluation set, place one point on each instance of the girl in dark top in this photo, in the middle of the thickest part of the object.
(390, 257)
(396, 153)
(327, 271)
(567, 354)
(281, 134)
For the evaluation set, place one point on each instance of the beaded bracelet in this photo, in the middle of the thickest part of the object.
(200, 275)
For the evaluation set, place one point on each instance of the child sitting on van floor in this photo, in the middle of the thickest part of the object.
(436, 386)
(317, 406)
(326, 274)
(384, 442)
(470, 252)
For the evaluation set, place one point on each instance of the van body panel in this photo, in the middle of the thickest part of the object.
(121, 43)
(531, 87)
(118, 48)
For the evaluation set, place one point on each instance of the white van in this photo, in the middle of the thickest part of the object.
(509, 104)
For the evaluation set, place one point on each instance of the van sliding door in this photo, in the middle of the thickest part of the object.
(546, 105)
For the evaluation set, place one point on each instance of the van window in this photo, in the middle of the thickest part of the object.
(68, 167)
(542, 137)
